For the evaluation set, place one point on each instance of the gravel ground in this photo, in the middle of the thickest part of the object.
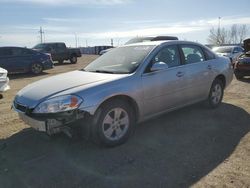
(193, 146)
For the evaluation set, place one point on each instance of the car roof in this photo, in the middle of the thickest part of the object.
(52, 43)
(158, 43)
(13, 47)
(232, 46)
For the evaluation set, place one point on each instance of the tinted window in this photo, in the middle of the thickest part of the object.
(168, 55)
(17, 51)
(192, 54)
(40, 46)
(28, 52)
(60, 47)
(5, 52)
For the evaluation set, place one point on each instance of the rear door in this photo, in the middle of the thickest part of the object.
(164, 89)
(198, 72)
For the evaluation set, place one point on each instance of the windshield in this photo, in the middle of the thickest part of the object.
(122, 60)
(223, 50)
(39, 46)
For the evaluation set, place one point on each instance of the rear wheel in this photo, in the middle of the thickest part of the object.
(216, 93)
(60, 61)
(113, 123)
(73, 59)
(36, 68)
(238, 76)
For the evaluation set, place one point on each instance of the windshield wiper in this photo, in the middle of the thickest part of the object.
(104, 71)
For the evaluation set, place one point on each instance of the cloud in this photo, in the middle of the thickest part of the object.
(174, 30)
(57, 30)
(70, 2)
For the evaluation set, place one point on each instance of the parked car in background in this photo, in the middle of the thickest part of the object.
(59, 52)
(129, 84)
(105, 51)
(144, 39)
(4, 81)
(242, 66)
(232, 52)
(22, 60)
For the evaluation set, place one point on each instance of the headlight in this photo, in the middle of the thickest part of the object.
(59, 104)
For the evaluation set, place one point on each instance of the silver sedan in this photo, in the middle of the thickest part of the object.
(130, 84)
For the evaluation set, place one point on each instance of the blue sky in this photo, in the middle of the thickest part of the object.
(95, 22)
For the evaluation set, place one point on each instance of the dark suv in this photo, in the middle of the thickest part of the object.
(20, 60)
(242, 66)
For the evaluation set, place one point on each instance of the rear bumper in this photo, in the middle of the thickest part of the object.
(4, 85)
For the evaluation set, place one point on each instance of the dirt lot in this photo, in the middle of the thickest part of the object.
(193, 146)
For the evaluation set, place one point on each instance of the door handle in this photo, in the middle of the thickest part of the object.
(180, 74)
(209, 67)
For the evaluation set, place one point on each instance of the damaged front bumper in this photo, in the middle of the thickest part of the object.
(50, 123)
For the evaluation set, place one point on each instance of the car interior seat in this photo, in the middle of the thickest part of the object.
(193, 58)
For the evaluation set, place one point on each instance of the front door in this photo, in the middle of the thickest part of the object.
(164, 89)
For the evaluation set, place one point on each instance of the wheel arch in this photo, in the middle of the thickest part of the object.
(222, 78)
(73, 55)
(126, 99)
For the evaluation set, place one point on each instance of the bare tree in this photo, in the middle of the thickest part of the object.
(234, 35)
(242, 33)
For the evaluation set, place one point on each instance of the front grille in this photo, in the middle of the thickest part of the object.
(20, 107)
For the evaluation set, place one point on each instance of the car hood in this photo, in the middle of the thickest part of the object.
(38, 91)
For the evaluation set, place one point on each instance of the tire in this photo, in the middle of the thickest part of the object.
(36, 68)
(215, 94)
(112, 124)
(60, 61)
(238, 76)
(73, 59)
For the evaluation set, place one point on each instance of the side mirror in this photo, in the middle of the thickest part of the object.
(158, 66)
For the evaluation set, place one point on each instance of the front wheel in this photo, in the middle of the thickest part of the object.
(216, 93)
(36, 68)
(73, 59)
(113, 123)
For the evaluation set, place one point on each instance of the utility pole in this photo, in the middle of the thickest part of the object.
(112, 42)
(76, 39)
(41, 34)
(219, 30)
